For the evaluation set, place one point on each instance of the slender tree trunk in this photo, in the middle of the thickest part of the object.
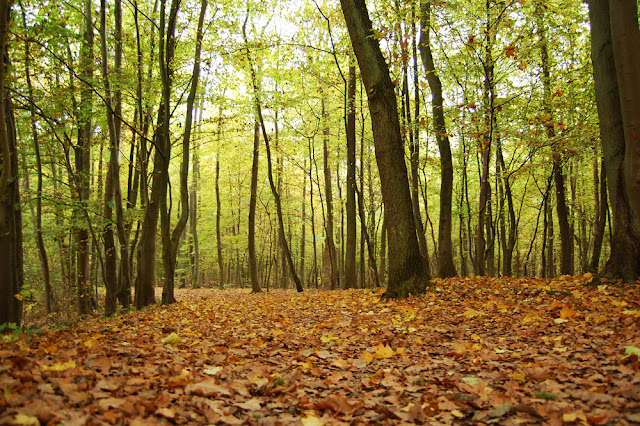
(253, 271)
(171, 239)
(193, 214)
(566, 235)
(303, 237)
(350, 279)
(407, 273)
(602, 208)
(42, 252)
(158, 198)
(332, 265)
(276, 194)
(83, 163)
(446, 266)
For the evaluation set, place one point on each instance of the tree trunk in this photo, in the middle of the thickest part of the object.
(611, 85)
(566, 234)
(446, 266)
(602, 208)
(253, 266)
(158, 198)
(407, 274)
(193, 215)
(274, 191)
(171, 239)
(83, 163)
(350, 249)
(42, 252)
(11, 278)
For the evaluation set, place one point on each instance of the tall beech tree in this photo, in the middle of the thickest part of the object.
(171, 238)
(446, 267)
(83, 162)
(288, 258)
(615, 53)
(407, 272)
(158, 198)
(11, 278)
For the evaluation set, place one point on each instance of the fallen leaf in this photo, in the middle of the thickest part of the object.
(172, 339)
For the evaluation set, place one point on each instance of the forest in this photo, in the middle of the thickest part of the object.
(312, 145)
(319, 212)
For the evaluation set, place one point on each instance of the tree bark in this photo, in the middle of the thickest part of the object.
(350, 249)
(446, 266)
(83, 163)
(407, 274)
(158, 197)
(11, 276)
(613, 39)
(274, 191)
(253, 264)
(602, 209)
(42, 251)
(171, 239)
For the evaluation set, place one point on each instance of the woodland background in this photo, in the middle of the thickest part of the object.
(135, 138)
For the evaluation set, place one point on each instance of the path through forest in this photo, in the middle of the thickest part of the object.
(472, 350)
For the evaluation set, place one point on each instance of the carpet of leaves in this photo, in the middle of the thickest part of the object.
(470, 351)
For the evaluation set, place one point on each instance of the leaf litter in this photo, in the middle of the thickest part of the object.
(469, 351)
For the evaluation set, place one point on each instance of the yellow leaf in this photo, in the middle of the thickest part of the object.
(470, 313)
(368, 357)
(475, 336)
(24, 420)
(400, 351)
(172, 339)
(329, 338)
(457, 413)
(311, 419)
(518, 377)
(60, 366)
(383, 352)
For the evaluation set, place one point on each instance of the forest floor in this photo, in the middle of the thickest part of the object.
(470, 351)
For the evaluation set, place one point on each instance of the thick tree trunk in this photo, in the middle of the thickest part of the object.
(407, 274)
(446, 266)
(614, 97)
(11, 274)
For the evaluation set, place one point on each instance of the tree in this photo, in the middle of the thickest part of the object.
(615, 44)
(253, 263)
(171, 239)
(350, 249)
(446, 267)
(83, 163)
(158, 197)
(11, 277)
(407, 274)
